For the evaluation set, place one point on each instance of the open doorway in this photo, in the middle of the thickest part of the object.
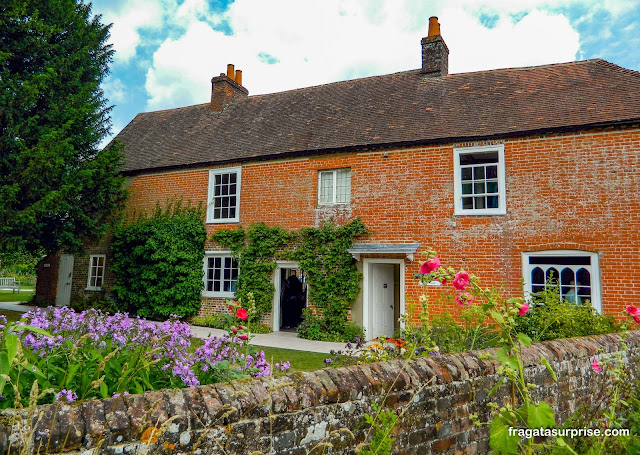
(290, 296)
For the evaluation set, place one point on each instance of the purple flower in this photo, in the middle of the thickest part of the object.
(68, 395)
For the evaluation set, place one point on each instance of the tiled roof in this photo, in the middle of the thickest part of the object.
(407, 108)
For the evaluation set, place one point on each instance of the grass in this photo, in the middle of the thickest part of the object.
(300, 360)
(8, 296)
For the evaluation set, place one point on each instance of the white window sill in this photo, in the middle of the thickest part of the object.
(219, 295)
(480, 212)
(89, 289)
(230, 220)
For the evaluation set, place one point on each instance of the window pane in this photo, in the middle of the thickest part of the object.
(492, 202)
(218, 179)
(343, 185)
(478, 188)
(583, 277)
(567, 277)
(467, 202)
(326, 187)
(537, 276)
(478, 173)
(233, 178)
(466, 188)
(225, 179)
(479, 201)
(478, 158)
(492, 187)
(551, 276)
(492, 172)
(466, 173)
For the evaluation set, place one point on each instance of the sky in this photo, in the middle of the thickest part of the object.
(167, 51)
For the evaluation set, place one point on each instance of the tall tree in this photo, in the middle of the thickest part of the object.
(57, 188)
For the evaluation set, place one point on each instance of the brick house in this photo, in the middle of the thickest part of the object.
(512, 174)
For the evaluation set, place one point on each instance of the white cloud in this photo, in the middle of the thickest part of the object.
(539, 38)
(114, 89)
(128, 21)
(321, 42)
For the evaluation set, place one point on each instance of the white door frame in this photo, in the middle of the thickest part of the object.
(275, 277)
(366, 303)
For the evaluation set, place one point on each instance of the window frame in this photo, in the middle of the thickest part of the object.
(334, 188)
(211, 196)
(91, 275)
(595, 278)
(213, 254)
(501, 176)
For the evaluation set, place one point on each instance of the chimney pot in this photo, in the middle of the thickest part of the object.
(230, 71)
(238, 77)
(434, 26)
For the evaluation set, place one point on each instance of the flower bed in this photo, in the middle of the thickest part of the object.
(58, 354)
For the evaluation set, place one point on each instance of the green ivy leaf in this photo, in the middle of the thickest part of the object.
(499, 438)
(541, 416)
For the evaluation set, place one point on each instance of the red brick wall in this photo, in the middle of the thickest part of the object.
(576, 191)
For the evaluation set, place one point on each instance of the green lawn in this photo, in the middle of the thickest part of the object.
(8, 296)
(300, 360)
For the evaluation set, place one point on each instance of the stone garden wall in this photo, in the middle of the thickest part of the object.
(324, 409)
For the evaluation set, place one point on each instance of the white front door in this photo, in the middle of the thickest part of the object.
(65, 275)
(382, 294)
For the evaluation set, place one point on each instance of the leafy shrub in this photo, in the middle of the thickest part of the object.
(157, 262)
(314, 327)
(225, 321)
(551, 317)
(97, 301)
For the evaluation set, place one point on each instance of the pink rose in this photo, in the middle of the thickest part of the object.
(244, 337)
(632, 310)
(464, 298)
(230, 308)
(461, 281)
(234, 330)
(430, 265)
(595, 365)
(241, 314)
(523, 309)
(241, 327)
(636, 317)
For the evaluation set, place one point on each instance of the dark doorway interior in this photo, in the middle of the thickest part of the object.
(293, 297)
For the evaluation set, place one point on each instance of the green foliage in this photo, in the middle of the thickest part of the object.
(382, 423)
(97, 301)
(57, 187)
(255, 250)
(314, 327)
(332, 274)
(157, 262)
(551, 317)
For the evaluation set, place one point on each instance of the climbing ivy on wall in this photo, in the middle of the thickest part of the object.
(255, 251)
(157, 262)
(332, 274)
(322, 252)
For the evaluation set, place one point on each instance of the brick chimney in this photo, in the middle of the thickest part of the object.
(225, 87)
(435, 54)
